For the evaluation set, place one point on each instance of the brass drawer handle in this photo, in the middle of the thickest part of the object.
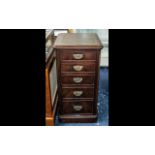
(77, 93)
(77, 79)
(78, 68)
(77, 107)
(78, 56)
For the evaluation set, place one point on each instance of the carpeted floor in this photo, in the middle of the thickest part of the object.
(103, 103)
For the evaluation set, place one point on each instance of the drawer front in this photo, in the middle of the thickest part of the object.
(78, 67)
(78, 79)
(77, 93)
(78, 55)
(77, 107)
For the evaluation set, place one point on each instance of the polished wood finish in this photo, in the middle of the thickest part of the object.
(69, 54)
(70, 67)
(49, 111)
(69, 107)
(78, 57)
(68, 92)
(86, 79)
(51, 101)
(78, 41)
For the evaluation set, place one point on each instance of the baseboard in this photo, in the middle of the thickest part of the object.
(104, 67)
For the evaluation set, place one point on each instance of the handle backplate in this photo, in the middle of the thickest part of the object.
(77, 93)
(78, 56)
(77, 107)
(78, 68)
(77, 79)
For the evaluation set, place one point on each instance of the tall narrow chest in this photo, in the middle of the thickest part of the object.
(78, 61)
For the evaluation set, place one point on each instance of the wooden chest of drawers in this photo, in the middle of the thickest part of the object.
(78, 59)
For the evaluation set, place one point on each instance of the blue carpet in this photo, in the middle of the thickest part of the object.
(103, 103)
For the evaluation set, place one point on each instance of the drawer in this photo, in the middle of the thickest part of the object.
(78, 55)
(77, 107)
(78, 79)
(78, 67)
(74, 93)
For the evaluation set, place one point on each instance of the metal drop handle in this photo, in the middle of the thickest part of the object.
(77, 93)
(78, 56)
(78, 68)
(77, 107)
(77, 79)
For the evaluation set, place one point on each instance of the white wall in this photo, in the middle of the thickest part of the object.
(103, 35)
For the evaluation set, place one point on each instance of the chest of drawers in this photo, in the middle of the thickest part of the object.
(78, 59)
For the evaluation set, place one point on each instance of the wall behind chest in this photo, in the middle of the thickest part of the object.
(103, 35)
